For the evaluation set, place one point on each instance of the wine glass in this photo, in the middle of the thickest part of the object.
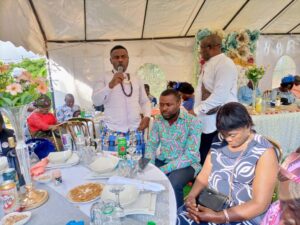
(104, 213)
(116, 189)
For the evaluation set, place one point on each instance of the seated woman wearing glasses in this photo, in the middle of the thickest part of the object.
(241, 165)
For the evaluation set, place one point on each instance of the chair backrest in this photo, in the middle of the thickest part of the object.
(277, 148)
(89, 123)
(57, 134)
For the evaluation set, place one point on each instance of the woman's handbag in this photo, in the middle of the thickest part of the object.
(213, 200)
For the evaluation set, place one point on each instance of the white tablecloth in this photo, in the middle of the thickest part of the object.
(75, 176)
(283, 128)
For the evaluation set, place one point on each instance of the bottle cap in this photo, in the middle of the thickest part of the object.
(151, 223)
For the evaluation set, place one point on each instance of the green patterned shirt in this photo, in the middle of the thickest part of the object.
(179, 143)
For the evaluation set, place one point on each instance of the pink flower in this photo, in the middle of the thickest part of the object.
(42, 88)
(4, 68)
(39, 81)
(25, 76)
(14, 88)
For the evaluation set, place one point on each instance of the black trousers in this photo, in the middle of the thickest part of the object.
(178, 178)
(206, 140)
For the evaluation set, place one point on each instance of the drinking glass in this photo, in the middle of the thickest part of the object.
(116, 189)
(123, 168)
(104, 213)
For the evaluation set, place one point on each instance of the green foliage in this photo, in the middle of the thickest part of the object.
(36, 67)
(28, 87)
(255, 73)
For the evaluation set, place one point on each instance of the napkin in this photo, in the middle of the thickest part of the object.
(140, 184)
(39, 168)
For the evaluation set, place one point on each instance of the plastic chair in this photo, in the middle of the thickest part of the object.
(57, 133)
(40, 146)
(89, 123)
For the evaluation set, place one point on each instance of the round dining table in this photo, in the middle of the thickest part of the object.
(58, 210)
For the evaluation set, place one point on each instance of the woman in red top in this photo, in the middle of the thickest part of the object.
(41, 121)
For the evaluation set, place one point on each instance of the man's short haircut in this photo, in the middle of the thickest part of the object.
(147, 86)
(233, 115)
(118, 47)
(69, 95)
(186, 88)
(214, 40)
(168, 92)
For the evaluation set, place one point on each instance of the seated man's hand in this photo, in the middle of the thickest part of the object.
(144, 123)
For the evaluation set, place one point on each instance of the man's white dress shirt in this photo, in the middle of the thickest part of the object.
(219, 77)
(122, 113)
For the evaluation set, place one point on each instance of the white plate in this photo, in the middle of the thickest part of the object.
(104, 164)
(94, 199)
(21, 222)
(127, 196)
(97, 197)
(95, 176)
(73, 160)
(43, 178)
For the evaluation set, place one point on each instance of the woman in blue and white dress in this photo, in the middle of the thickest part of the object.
(241, 165)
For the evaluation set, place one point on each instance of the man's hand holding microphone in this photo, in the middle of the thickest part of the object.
(117, 78)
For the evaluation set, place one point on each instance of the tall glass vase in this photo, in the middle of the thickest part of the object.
(32, 198)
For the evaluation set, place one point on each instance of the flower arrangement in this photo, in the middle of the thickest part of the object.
(255, 73)
(19, 88)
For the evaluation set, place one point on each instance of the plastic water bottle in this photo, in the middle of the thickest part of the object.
(80, 143)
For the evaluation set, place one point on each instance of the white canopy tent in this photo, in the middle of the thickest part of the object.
(77, 35)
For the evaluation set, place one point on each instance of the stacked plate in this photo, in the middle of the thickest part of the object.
(62, 159)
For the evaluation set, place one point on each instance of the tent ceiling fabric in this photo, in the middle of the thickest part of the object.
(63, 20)
(34, 23)
(18, 25)
(256, 14)
(216, 13)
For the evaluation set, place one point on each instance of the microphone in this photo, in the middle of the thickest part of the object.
(120, 69)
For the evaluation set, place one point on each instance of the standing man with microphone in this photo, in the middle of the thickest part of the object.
(124, 98)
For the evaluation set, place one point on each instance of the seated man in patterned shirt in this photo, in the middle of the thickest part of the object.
(68, 110)
(178, 135)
